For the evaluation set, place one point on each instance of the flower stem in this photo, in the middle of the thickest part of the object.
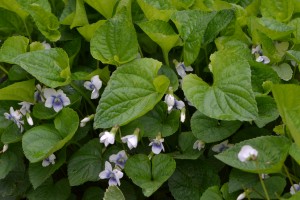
(264, 187)
(166, 58)
(84, 95)
(3, 69)
(289, 177)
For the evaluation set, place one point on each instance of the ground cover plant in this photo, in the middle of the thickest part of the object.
(149, 99)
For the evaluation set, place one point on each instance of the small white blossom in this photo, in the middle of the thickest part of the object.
(4, 148)
(241, 196)
(38, 94)
(16, 117)
(157, 145)
(114, 176)
(256, 50)
(85, 120)
(50, 160)
(199, 144)
(131, 140)
(218, 148)
(107, 138)
(172, 103)
(46, 45)
(56, 99)
(119, 159)
(263, 59)
(247, 153)
(294, 188)
(94, 85)
(181, 68)
(264, 176)
(25, 110)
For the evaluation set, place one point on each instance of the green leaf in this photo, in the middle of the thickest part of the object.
(60, 190)
(39, 174)
(191, 25)
(230, 97)
(272, 152)
(239, 180)
(284, 71)
(16, 73)
(113, 193)
(172, 76)
(287, 100)
(115, 42)
(274, 185)
(261, 74)
(9, 160)
(295, 23)
(80, 17)
(162, 33)
(183, 4)
(116, 107)
(42, 3)
(12, 47)
(23, 91)
(46, 22)
(15, 7)
(85, 164)
(11, 134)
(42, 112)
(212, 193)
(295, 55)
(281, 10)
(10, 24)
(51, 66)
(157, 9)
(295, 152)
(89, 30)
(41, 141)
(217, 24)
(149, 176)
(191, 179)
(267, 110)
(272, 28)
(106, 8)
(159, 121)
(212, 130)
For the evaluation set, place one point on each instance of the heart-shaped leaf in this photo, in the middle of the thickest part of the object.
(212, 130)
(50, 66)
(115, 42)
(139, 77)
(113, 193)
(157, 9)
(12, 47)
(149, 176)
(231, 96)
(23, 91)
(41, 141)
(85, 164)
(272, 152)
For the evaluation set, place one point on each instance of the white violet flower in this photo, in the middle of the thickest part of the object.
(247, 153)
(131, 140)
(263, 59)
(172, 103)
(218, 148)
(25, 110)
(157, 145)
(264, 176)
(56, 99)
(181, 68)
(241, 196)
(94, 85)
(50, 160)
(259, 55)
(114, 176)
(86, 120)
(119, 159)
(4, 148)
(46, 45)
(199, 144)
(108, 137)
(16, 117)
(294, 188)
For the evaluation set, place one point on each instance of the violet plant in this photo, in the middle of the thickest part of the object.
(149, 99)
